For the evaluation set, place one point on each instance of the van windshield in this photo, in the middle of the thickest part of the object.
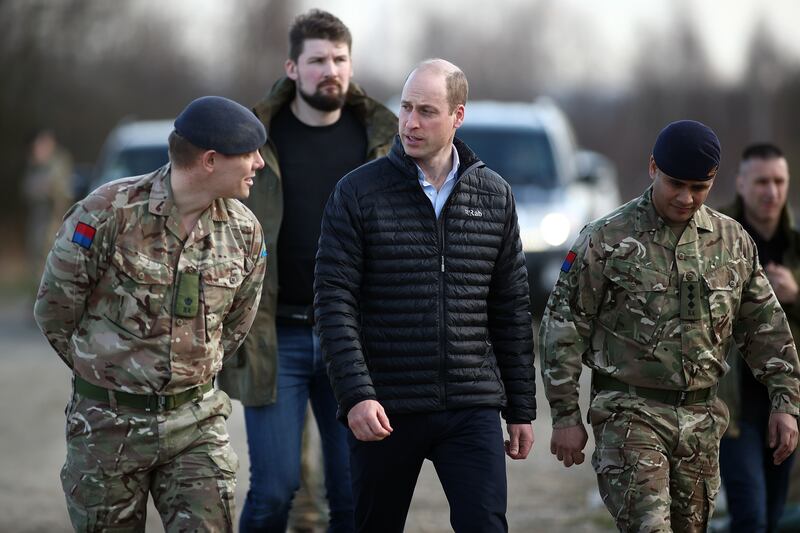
(522, 156)
(134, 161)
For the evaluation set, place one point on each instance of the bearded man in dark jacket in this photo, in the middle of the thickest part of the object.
(320, 126)
(421, 304)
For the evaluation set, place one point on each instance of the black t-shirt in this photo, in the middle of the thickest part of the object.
(756, 405)
(312, 160)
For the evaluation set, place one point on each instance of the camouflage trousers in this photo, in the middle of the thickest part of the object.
(657, 466)
(116, 457)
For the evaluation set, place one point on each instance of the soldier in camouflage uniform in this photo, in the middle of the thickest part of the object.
(151, 282)
(650, 297)
(47, 190)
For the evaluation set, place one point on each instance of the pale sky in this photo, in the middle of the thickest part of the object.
(725, 26)
(386, 32)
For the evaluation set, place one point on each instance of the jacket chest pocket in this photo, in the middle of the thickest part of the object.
(220, 281)
(140, 286)
(723, 300)
(638, 300)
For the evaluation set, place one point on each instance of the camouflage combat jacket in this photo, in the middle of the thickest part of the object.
(251, 376)
(111, 283)
(617, 308)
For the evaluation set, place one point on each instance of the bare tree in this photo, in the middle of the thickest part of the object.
(505, 60)
(78, 67)
(261, 46)
(763, 79)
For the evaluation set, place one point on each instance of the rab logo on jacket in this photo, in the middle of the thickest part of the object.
(473, 212)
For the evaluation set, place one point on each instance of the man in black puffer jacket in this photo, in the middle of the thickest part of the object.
(421, 302)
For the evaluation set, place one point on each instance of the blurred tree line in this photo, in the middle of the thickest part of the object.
(673, 80)
(79, 66)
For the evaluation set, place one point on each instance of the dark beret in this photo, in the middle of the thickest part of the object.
(687, 150)
(216, 123)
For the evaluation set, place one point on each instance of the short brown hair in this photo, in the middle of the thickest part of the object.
(457, 89)
(316, 24)
(455, 80)
(182, 153)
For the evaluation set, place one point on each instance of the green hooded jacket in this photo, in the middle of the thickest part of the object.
(729, 385)
(251, 374)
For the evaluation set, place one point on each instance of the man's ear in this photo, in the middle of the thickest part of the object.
(653, 168)
(459, 116)
(207, 160)
(290, 67)
(739, 183)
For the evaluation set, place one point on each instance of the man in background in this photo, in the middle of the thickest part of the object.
(47, 190)
(755, 486)
(320, 126)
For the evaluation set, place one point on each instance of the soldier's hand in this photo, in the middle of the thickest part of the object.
(567, 444)
(783, 283)
(368, 421)
(782, 436)
(520, 440)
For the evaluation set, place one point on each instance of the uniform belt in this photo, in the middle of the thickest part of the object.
(670, 397)
(148, 402)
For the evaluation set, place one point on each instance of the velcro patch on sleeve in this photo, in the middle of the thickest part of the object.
(84, 235)
(567, 264)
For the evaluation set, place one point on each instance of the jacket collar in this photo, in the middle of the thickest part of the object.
(736, 212)
(467, 158)
(379, 123)
(647, 218)
(162, 204)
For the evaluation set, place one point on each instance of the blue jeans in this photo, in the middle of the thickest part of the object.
(756, 489)
(274, 436)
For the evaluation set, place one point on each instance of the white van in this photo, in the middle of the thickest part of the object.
(131, 149)
(558, 188)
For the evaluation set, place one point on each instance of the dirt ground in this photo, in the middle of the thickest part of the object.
(34, 387)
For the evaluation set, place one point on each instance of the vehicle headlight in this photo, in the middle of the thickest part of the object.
(531, 240)
(551, 231)
(555, 229)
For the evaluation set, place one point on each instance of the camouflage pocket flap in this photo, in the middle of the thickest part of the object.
(140, 268)
(614, 461)
(722, 279)
(634, 277)
(228, 274)
(82, 491)
(227, 462)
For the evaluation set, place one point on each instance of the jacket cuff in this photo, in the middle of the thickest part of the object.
(567, 418)
(516, 421)
(782, 404)
(349, 403)
(518, 416)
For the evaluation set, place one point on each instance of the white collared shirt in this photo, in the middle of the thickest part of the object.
(439, 198)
